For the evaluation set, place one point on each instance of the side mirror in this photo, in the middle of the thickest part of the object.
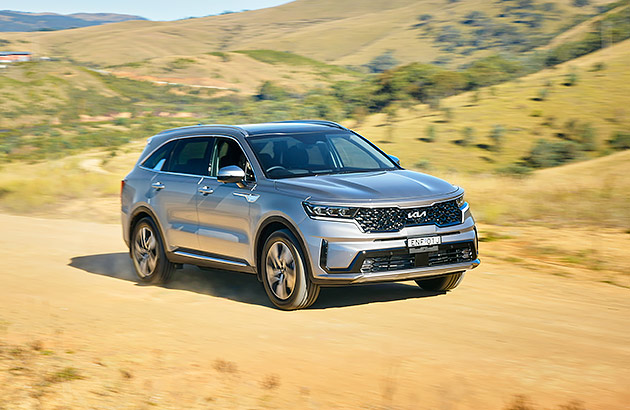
(231, 174)
(395, 159)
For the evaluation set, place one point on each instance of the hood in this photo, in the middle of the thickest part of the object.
(368, 187)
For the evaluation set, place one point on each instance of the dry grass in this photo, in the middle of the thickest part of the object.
(599, 98)
(595, 193)
(353, 32)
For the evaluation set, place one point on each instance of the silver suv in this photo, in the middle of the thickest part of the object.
(300, 204)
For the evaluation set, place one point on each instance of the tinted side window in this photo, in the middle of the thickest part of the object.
(190, 156)
(158, 158)
(228, 152)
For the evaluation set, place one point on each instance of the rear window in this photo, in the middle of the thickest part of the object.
(158, 158)
(190, 156)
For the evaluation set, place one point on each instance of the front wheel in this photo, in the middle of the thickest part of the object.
(284, 273)
(147, 252)
(441, 283)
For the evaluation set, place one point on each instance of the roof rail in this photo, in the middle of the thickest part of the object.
(235, 127)
(318, 122)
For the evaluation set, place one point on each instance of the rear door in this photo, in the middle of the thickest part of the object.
(174, 190)
(224, 225)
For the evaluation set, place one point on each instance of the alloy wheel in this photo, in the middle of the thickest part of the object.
(145, 252)
(281, 270)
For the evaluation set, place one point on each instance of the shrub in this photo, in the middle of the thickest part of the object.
(496, 135)
(431, 133)
(580, 3)
(547, 154)
(571, 79)
(516, 169)
(598, 66)
(620, 140)
(468, 136)
(587, 138)
(542, 94)
(382, 62)
(270, 91)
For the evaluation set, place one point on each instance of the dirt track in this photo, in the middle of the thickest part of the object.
(210, 339)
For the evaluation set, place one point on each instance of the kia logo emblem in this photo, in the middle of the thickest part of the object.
(417, 214)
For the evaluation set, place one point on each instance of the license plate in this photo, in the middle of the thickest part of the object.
(426, 241)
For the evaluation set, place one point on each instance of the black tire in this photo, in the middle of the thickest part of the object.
(146, 244)
(278, 272)
(441, 283)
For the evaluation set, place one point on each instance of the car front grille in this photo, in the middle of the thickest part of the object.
(446, 254)
(453, 254)
(394, 219)
(385, 263)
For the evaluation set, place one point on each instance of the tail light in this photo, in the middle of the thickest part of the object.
(122, 187)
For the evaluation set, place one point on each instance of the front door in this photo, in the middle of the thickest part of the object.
(223, 209)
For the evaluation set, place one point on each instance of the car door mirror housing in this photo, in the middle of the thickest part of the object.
(395, 159)
(231, 174)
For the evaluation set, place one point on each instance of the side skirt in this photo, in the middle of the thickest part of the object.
(202, 259)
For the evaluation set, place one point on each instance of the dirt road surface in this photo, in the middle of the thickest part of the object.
(68, 300)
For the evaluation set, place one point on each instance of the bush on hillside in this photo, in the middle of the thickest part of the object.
(496, 135)
(547, 154)
(620, 140)
(383, 62)
(270, 91)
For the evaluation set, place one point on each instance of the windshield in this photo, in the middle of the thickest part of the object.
(304, 154)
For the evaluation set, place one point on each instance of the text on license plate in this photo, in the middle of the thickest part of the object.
(427, 241)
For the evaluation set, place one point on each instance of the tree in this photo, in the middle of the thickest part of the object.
(496, 135)
(581, 3)
(382, 62)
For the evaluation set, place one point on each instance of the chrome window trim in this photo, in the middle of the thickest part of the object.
(141, 165)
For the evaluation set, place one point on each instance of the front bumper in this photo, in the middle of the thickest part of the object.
(394, 276)
(340, 254)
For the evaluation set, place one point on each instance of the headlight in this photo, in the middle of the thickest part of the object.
(314, 210)
(460, 201)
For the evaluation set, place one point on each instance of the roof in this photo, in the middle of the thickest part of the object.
(280, 127)
(284, 127)
(245, 130)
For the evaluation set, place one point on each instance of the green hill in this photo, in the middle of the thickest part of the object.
(587, 95)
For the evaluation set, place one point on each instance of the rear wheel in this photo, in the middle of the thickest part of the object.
(442, 283)
(284, 273)
(147, 253)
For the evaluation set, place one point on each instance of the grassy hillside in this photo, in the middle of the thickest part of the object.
(586, 95)
(23, 21)
(54, 107)
(347, 32)
(240, 72)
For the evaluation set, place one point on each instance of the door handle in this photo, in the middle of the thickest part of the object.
(205, 190)
(157, 186)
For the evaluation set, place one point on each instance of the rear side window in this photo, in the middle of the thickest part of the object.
(190, 156)
(159, 157)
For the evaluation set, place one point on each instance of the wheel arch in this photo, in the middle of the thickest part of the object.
(143, 212)
(269, 226)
